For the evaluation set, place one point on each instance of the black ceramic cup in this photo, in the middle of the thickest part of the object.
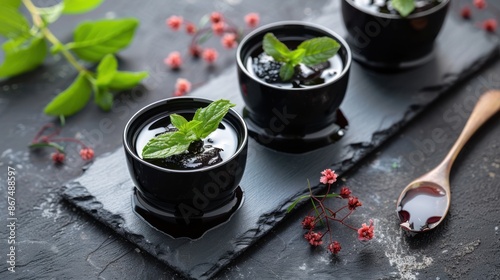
(389, 41)
(291, 119)
(185, 203)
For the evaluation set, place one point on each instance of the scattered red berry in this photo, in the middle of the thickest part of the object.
(480, 4)
(365, 233)
(252, 20)
(308, 222)
(174, 22)
(210, 55)
(314, 238)
(354, 203)
(345, 192)
(190, 28)
(334, 247)
(218, 28)
(182, 86)
(195, 50)
(87, 153)
(490, 25)
(173, 60)
(329, 177)
(57, 157)
(229, 40)
(465, 12)
(215, 17)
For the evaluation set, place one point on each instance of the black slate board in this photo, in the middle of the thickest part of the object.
(376, 105)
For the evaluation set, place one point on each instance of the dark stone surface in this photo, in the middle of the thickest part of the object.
(57, 241)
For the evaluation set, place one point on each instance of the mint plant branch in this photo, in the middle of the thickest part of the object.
(38, 22)
(93, 41)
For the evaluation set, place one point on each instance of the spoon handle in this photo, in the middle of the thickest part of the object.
(487, 106)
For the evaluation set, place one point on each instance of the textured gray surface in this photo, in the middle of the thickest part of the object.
(376, 105)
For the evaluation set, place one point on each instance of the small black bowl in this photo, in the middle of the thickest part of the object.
(389, 41)
(185, 203)
(292, 120)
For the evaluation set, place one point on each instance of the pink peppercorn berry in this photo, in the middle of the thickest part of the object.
(480, 4)
(490, 25)
(87, 153)
(174, 22)
(210, 55)
(465, 12)
(57, 157)
(173, 60)
(252, 20)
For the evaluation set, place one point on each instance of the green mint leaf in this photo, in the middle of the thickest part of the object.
(274, 48)
(80, 6)
(404, 7)
(286, 71)
(318, 50)
(123, 80)
(12, 23)
(178, 121)
(191, 126)
(71, 100)
(11, 3)
(211, 116)
(103, 98)
(22, 55)
(95, 39)
(296, 56)
(51, 14)
(106, 70)
(168, 144)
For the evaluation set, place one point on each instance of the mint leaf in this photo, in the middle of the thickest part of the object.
(123, 80)
(318, 50)
(103, 98)
(274, 48)
(51, 14)
(12, 23)
(22, 55)
(95, 39)
(286, 71)
(309, 52)
(72, 100)
(106, 70)
(404, 7)
(178, 121)
(211, 116)
(80, 6)
(296, 56)
(11, 4)
(205, 121)
(168, 144)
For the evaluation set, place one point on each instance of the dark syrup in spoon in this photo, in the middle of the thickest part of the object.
(421, 208)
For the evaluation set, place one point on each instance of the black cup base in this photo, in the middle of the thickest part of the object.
(394, 65)
(175, 226)
(297, 144)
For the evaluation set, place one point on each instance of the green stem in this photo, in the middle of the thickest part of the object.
(38, 22)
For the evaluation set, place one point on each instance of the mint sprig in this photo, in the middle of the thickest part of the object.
(95, 41)
(310, 52)
(205, 121)
(404, 7)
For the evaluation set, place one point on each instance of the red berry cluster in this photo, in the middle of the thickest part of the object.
(219, 26)
(323, 215)
(47, 136)
(489, 24)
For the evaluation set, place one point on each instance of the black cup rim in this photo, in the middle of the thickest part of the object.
(165, 101)
(393, 16)
(263, 28)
